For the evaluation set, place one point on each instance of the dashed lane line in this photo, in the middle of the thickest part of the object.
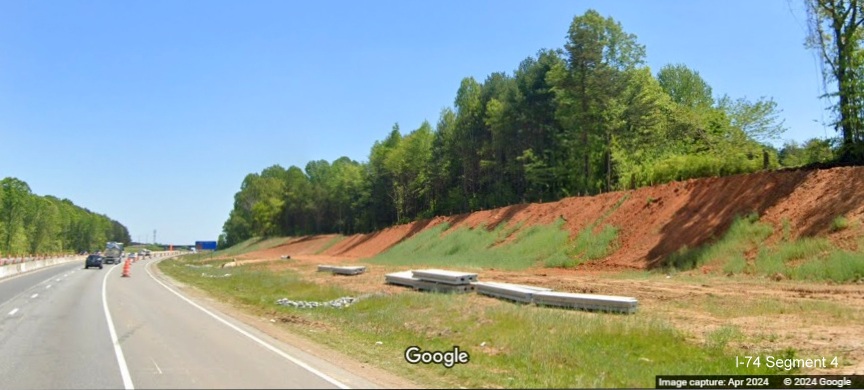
(121, 360)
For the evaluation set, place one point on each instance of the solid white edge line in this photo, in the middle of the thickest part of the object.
(124, 369)
(263, 343)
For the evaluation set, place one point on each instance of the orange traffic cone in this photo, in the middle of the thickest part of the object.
(126, 267)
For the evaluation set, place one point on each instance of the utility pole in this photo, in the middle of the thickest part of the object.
(154, 236)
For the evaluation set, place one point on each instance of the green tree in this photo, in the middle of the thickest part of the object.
(14, 196)
(836, 34)
(43, 224)
(533, 113)
(588, 89)
(347, 193)
(759, 120)
(814, 150)
(297, 213)
(644, 137)
(383, 192)
(685, 86)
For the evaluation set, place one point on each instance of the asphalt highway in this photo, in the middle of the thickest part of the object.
(66, 327)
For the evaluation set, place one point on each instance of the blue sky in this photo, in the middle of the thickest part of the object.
(152, 112)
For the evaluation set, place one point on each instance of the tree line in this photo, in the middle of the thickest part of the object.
(583, 119)
(33, 224)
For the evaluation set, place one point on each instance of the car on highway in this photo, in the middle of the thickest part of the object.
(93, 261)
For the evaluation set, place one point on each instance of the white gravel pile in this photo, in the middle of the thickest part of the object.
(215, 276)
(337, 303)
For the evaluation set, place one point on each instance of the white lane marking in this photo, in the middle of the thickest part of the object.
(157, 366)
(57, 280)
(121, 361)
(34, 295)
(263, 343)
(12, 313)
(48, 286)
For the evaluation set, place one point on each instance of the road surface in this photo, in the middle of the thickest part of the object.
(65, 327)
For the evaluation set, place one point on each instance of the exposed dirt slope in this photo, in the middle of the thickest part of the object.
(653, 221)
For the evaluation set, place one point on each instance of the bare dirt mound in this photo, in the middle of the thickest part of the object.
(653, 222)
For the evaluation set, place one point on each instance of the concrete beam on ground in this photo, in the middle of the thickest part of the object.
(513, 292)
(592, 302)
(426, 285)
(406, 278)
(348, 270)
(403, 278)
(446, 277)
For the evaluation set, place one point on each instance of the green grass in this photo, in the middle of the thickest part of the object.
(252, 244)
(811, 311)
(735, 265)
(588, 245)
(787, 229)
(720, 338)
(329, 244)
(808, 258)
(592, 246)
(745, 233)
(839, 223)
(775, 259)
(251, 284)
(480, 247)
(522, 346)
(842, 267)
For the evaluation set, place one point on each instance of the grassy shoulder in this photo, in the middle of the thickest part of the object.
(510, 345)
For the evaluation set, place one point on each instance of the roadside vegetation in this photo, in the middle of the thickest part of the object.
(585, 118)
(31, 224)
(507, 248)
(329, 244)
(502, 248)
(743, 250)
(511, 345)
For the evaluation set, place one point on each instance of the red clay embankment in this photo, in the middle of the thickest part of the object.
(653, 221)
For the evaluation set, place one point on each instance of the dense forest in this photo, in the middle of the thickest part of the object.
(33, 224)
(581, 120)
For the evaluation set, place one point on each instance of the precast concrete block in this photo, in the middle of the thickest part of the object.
(348, 270)
(447, 277)
(593, 302)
